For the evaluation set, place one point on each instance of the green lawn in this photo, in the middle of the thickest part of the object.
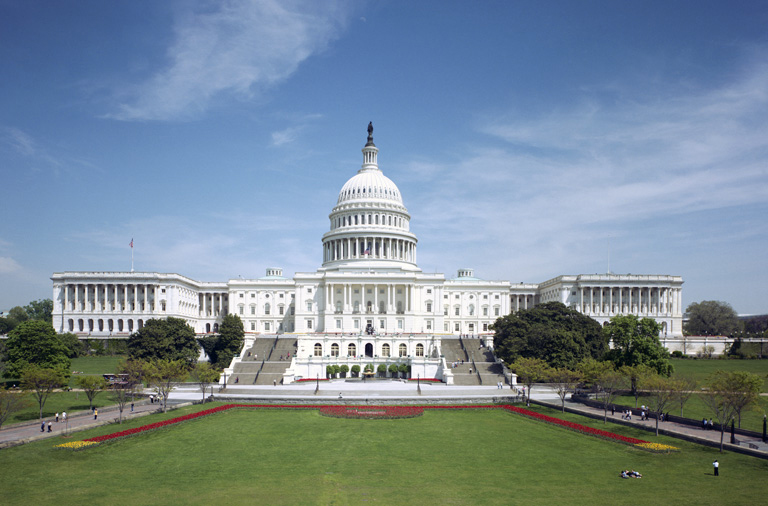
(292, 457)
(70, 402)
(96, 365)
(701, 368)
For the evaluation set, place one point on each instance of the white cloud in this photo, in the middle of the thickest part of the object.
(240, 49)
(9, 266)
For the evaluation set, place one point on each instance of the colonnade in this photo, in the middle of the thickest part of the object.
(522, 302)
(642, 300)
(346, 303)
(212, 304)
(373, 247)
(108, 297)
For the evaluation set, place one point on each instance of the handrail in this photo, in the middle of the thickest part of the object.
(259, 371)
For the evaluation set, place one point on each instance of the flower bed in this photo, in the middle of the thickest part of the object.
(304, 380)
(372, 412)
(428, 380)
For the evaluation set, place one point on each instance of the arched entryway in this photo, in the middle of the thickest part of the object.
(369, 350)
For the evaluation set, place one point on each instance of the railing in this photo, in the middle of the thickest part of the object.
(259, 371)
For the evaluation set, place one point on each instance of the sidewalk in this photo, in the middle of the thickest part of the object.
(25, 432)
(673, 429)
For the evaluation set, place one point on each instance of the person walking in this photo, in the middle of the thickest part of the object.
(63, 416)
(95, 414)
(42, 427)
(716, 465)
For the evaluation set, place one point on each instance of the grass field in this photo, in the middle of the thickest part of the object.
(291, 457)
(57, 402)
(701, 368)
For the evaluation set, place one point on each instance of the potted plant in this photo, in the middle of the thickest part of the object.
(344, 370)
(355, 371)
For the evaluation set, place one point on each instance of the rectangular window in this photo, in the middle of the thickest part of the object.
(309, 324)
(429, 307)
(456, 327)
(485, 311)
(266, 326)
(429, 324)
(280, 310)
(253, 309)
(456, 311)
(309, 290)
(429, 290)
(338, 323)
(253, 295)
(241, 309)
(356, 324)
(253, 325)
(381, 324)
(485, 327)
(292, 309)
(496, 311)
(445, 327)
(241, 295)
(485, 297)
(309, 306)
(400, 324)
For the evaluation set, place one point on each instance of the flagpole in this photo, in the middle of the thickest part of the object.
(131, 254)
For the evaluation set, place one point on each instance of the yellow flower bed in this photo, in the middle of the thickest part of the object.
(657, 447)
(76, 445)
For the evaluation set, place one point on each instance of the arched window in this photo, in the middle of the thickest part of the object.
(377, 219)
(335, 350)
(385, 350)
(419, 350)
(318, 350)
(355, 219)
(352, 350)
(403, 350)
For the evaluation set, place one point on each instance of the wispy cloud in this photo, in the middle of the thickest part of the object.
(38, 155)
(239, 48)
(555, 185)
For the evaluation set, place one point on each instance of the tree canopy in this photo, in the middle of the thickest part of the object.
(34, 342)
(636, 342)
(41, 310)
(169, 339)
(552, 332)
(711, 318)
(223, 347)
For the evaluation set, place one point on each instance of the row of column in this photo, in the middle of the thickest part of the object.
(369, 247)
(211, 304)
(523, 301)
(390, 297)
(667, 300)
(96, 297)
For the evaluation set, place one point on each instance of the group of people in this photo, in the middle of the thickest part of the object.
(631, 474)
(457, 364)
(707, 424)
(500, 385)
(50, 424)
(287, 357)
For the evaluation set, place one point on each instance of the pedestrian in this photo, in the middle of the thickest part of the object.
(42, 427)
(50, 427)
(613, 409)
(57, 417)
(716, 465)
(64, 416)
(274, 382)
(131, 407)
(95, 414)
(704, 424)
(711, 425)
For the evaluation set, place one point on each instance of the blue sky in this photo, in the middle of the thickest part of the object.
(528, 139)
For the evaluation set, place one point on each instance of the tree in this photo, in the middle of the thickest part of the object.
(344, 370)
(91, 385)
(5, 326)
(75, 347)
(564, 380)
(609, 383)
(684, 387)
(592, 370)
(355, 370)
(635, 374)
(329, 371)
(711, 318)
(35, 343)
(745, 390)
(170, 339)
(393, 370)
(551, 332)
(530, 371)
(727, 393)
(121, 392)
(16, 316)
(41, 310)
(10, 403)
(403, 370)
(231, 338)
(42, 381)
(661, 392)
(205, 375)
(382, 370)
(636, 342)
(163, 373)
(135, 371)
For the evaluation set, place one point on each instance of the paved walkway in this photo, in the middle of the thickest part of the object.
(81, 420)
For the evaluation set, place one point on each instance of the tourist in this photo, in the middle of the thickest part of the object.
(716, 465)
(131, 407)
(95, 414)
(57, 417)
(274, 383)
(42, 427)
(711, 425)
(704, 424)
(64, 416)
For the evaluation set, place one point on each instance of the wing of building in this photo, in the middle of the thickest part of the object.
(368, 300)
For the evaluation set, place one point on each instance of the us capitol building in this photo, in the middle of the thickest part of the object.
(369, 299)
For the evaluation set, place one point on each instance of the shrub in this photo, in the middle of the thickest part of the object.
(393, 370)
(355, 370)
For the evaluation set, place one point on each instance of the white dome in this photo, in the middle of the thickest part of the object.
(370, 184)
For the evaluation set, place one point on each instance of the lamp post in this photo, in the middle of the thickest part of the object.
(765, 439)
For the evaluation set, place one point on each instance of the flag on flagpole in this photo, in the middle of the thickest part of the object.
(367, 251)
(131, 242)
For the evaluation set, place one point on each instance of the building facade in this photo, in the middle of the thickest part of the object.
(368, 299)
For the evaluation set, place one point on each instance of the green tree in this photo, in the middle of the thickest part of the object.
(329, 371)
(355, 370)
(16, 316)
(205, 375)
(393, 370)
(163, 374)
(660, 392)
(75, 347)
(42, 381)
(530, 371)
(403, 370)
(135, 372)
(5, 326)
(41, 310)
(609, 384)
(592, 370)
(344, 369)
(636, 342)
(382, 370)
(551, 332)
(91, 385)
(170, 339)
(34, 343)
(684, 387)
(635, 374)
(564, 381)
(10, 403)
(711, 318)
(727, 393)
(231, 338)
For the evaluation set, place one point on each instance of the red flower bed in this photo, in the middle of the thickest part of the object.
(304, 380)
(372, 412)
(429, 380)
